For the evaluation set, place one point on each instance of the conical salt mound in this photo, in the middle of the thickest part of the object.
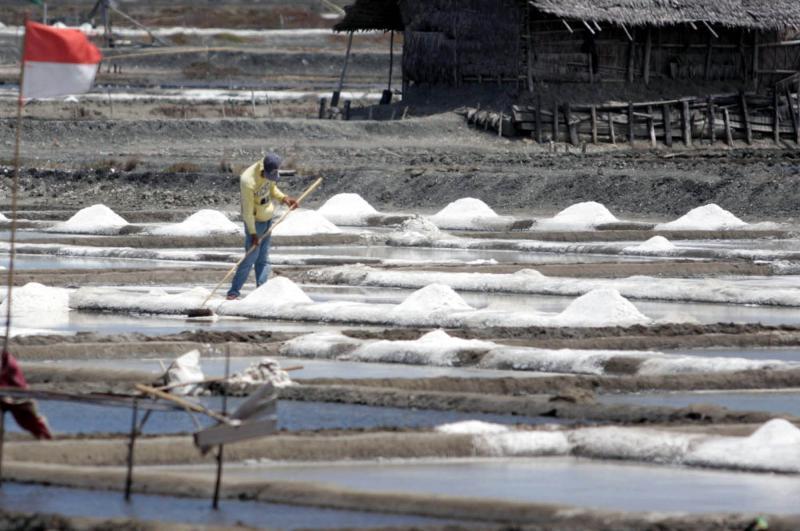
(278, 290)
(347, 209)
(601, 307)
(707, 217)
(201, 223)
(96, 219)
(433, 298)
(466, 208)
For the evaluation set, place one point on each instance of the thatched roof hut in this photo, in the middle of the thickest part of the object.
(517, 44)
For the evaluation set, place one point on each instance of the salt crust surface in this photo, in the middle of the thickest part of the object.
(347, 209)
(201, 223)
(707, 217)
(773, 447)
(433, 305)
(96, 219)
(580, 216)
(437, 348)
(303, 222)
(531, 281)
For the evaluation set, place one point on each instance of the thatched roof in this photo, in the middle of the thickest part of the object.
(366, 15)
(757, 14)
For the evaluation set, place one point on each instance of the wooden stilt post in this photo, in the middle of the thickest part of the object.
(338, 92)
(555, 122)
(712, 122)
(666, 116)
(776, 117)
(593, 112)
(686, 123)
(386, 97)
(631, 124)
(572, 130)
(221, 449)
(748, 127)
(756, 57)
(651, 126)
(793, 115)
(648, 52)
(322, 104)
(612, 135)
(131, 444)
(728, 134)
(709, 50)
(539, 138)
(631, 59)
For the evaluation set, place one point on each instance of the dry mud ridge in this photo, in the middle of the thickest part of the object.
(420, 163)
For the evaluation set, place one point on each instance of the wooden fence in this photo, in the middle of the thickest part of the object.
(721, 117)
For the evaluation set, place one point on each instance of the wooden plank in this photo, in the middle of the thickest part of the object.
(631, 124)
(728, 135)
(666, 116)
(594, 124)
(793, 116)
(776, 118)
(686, 125)
(712, 122)
(743, 109)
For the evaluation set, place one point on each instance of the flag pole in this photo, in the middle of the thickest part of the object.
(14, 191)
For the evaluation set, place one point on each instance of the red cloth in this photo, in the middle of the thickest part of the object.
(24, 412)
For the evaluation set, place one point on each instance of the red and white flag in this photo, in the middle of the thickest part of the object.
(57, 62)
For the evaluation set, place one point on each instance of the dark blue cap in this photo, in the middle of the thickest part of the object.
(271, 164)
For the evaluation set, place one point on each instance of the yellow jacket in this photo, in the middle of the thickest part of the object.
(257, 195)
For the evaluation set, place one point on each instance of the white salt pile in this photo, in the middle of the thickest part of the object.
(415, 231)
(708, 217)
(325, 345)
(305, 222)
(259, 373)
(96, 219)
(3, 218)
(433, 298)
(434, 348)
(580, 216)
(276, 291)
(471, 427)
(184, 373)
(655, 245)
(465, 213)
(600, 307)
(347, 209)
(36, 305)
(775, 446)
(201, 223)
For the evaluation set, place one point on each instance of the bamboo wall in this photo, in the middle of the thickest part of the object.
(450, 42)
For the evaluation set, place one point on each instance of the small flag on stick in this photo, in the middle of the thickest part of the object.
(57, 62)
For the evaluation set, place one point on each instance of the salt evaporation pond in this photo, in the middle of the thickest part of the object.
(311, 368)
(69, 417)
(777, 402)
(561, 480)
(33, 262)
(29, 498)
(704, 313)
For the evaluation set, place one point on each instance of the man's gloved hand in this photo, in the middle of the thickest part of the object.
(254, 240)
(291, 202)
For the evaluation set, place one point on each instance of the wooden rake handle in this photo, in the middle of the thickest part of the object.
(252, 248)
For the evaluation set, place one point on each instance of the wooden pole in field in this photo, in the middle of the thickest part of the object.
(14, 192)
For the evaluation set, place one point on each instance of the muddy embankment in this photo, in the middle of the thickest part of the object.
(420, 163)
